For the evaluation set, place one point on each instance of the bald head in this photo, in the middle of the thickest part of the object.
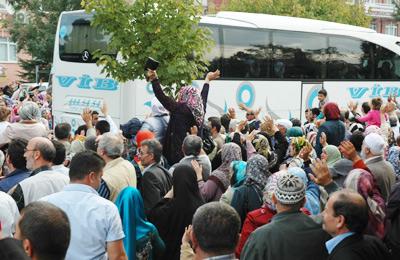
(39, 152)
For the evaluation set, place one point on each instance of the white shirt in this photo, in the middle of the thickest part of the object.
(9, 214)
(61, 169)
(93, 220)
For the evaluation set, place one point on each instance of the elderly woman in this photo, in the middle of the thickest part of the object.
(28, 127)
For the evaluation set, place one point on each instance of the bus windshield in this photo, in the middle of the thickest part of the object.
(78, 40)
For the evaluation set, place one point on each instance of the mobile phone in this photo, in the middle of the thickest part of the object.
(151, 64)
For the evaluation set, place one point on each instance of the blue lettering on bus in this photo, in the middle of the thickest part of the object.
(357, 93)
(85, 82)
(375, 91)
(65, 81)
(106, 84)
(245, 87)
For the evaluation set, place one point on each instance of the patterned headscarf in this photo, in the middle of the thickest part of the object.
(271, 187)
(191, 97)
(363, 182)
(261, 145)
(29, 111)
(230, 152)
(333, 154)
(299, 143)
(257, 172)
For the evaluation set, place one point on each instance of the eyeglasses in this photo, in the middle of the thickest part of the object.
(27, 150)
(141, 153)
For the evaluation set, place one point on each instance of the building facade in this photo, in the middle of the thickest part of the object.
(9, 68)
(382, 12)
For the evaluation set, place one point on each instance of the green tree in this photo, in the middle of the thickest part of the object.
(36, 37)
(166, 30)
(329, 10)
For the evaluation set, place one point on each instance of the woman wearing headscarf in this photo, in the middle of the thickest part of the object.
(333, 128)
(312, 191)
(296, 144)
(141, 237)
(175, 212)
(186, 112)
(157, 122)
(363, 182)
(28, 127)
(249, 196)
(238, 169)
(331, 154)
(219, 180)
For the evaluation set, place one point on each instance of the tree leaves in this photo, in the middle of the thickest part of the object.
(37, 37)
(327, 10)
(163, 29)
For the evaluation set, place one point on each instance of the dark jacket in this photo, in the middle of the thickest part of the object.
(335, 132)
(290, 235)
(246, 199)
(155, 183)
(360, 247)
(13, 179)
(392, 238)
(180, 122)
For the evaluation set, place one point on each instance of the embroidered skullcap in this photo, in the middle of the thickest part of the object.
(290, 189)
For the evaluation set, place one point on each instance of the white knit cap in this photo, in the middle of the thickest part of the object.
(375, 143)
(290, 189)
(284, 122)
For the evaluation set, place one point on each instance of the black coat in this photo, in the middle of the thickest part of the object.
(392, 238)
(180, 122)
(360, 247)
(155, 183)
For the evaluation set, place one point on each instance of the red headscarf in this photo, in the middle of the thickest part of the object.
(143, 135)
(331, 111)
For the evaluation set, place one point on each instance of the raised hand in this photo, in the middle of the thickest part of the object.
(321, 174)
(213, 75)
(349, 151)
(198, 169)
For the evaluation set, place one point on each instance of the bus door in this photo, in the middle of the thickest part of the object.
(309, 96)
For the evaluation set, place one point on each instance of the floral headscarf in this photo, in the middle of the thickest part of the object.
(230, 152)
(363, 182)
(270, 188)
(191, 97)
(257, 172)
(299, 143)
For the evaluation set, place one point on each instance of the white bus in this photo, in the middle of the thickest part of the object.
(274, 62)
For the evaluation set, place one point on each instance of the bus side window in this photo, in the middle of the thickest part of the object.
(245, 53)
(298, 55)
(387, 64)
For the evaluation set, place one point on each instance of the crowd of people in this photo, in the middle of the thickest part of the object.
(179, 185)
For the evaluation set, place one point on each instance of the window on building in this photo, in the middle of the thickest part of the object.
(8, 50)
(373, 26)
(391, 29)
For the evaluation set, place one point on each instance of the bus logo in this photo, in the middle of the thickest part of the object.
(85, 55)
